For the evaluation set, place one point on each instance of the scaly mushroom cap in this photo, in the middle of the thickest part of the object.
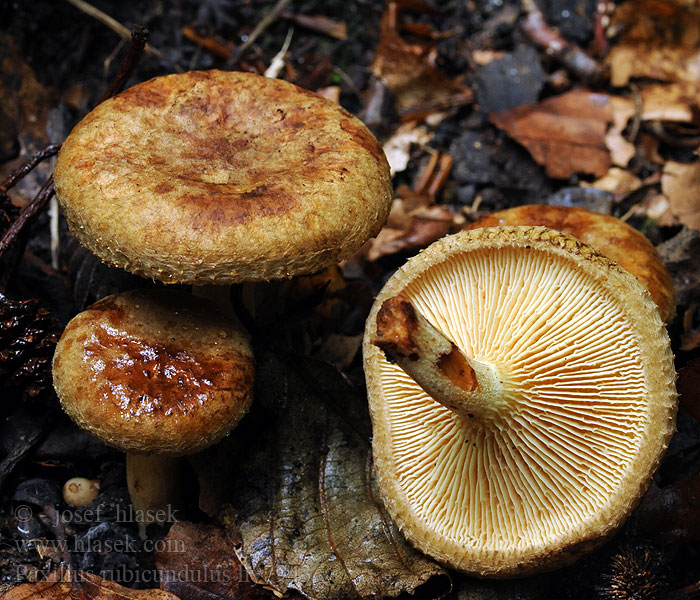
(154, 371)
(221, 177)
(573, 418)
(609, 236)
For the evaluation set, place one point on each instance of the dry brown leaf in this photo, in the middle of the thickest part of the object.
(672, 102)
(690, 337)
(300, 497)
(680, 183)
(197, 562)
(398, 147)
(660, 40)
(621, 151)
(25, 104)
(407, 71)
(618, 182)
(681, 256)
(657, 207)
(410, 230)
(68, 585)
(566, 134)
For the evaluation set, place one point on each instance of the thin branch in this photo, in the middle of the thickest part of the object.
(27, 167)
(113, 24)
(136, 48)
(260, 28)
(549, 39)
(27, 215)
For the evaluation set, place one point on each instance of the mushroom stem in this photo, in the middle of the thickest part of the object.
(153, 486)
(432, 360)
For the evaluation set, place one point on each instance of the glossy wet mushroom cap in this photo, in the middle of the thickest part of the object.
(573, 406)
(154, 371)
(610, 236)
(221, 177)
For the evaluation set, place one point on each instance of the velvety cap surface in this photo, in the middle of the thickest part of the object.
(221, 177)
(154, 371)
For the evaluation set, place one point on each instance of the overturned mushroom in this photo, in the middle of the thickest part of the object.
(525, 398)
(610, 236)
(154, 373)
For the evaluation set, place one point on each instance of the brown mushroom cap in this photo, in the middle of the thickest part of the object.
(221, 177)
(609, 236)
(570, 422)
(154, 371)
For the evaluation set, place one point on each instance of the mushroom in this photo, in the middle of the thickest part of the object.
(610, 236)
(80, 492)
(157, 374)
(525, 399)
(215, 177)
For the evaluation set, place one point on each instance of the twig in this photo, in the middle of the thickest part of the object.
(260, 28)
(550, 40)
(277, 63)
(113, 24)
(28, 213)
(24, 169)
(136, 48)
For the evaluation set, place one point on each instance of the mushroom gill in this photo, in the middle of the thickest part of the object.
(559, 442)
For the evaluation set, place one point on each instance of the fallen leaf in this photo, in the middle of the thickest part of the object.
(70, 585)
(196, 562)
(670, 102)
(411, 231)
(681, 256)
(621, 151)
(657, 207)
(407, 71)
(300, 493)
(564, 133)
(660, 40)
(680, 183)
(398, 147)
(690, 336)
(26, 104)
(618, 182)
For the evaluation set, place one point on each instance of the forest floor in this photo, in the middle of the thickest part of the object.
(481, 105)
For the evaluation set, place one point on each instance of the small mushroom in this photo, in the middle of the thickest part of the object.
(214, 177)
(521, 388)
(157, 374)
(610, 236)
(79, 491)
